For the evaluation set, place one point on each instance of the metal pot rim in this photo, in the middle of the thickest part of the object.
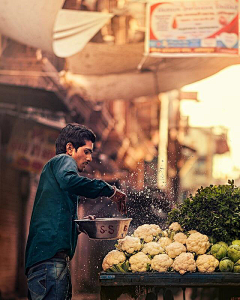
(104, 219)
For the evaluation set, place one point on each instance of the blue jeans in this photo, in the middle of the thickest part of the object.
(50, 280)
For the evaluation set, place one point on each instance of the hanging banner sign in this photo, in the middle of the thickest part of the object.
(31, 146)
(192, 28)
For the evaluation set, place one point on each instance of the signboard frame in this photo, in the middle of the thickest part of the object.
(229, 49)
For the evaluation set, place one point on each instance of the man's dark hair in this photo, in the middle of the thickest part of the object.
(76, 134)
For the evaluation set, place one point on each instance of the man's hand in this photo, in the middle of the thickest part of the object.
(90, 217)
(120, 199)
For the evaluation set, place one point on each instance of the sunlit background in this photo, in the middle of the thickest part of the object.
(219, 105)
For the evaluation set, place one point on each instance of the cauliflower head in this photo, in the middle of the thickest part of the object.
(130, 244)
(147, 232)
(184, 263)
(206, 263)
(175, 226)
(161, 262)
(180, 237)
(156, 229)
(192, 231)
(152, 248)
(139, 262)
(197, 243)
(174, 249)
(164, 242)
(113, 257)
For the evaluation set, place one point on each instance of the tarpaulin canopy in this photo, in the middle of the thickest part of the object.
(43, 24)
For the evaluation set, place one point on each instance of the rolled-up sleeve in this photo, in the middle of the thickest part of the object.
(65, 170)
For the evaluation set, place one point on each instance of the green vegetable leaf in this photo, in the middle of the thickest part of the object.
(213, 210)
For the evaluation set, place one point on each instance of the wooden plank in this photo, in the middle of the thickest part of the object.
(171, 279)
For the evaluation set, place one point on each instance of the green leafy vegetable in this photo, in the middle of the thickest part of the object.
(236, 268)
(218, 251)
(236, 242)
(121, 267)
(223, 244)
(226, 265)
(213, 210)
(233, 252)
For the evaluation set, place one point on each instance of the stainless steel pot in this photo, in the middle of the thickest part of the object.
(105, 228)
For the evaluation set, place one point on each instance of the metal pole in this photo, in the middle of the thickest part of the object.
(163, 141)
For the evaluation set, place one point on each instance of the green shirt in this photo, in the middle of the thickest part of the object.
(52, 228)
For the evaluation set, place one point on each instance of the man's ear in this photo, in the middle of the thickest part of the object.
(69, 149)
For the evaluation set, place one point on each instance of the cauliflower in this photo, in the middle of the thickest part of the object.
(197, 243)
(206, 263)
(147, 232)
(192, 231)
(152, 248)
(174, 249)
(180, 237)
(161, 262)
(164, 242)
(130, 244)
(114, 257)
(175, 227)
(184, 263)
(139, 262)
(156, 228)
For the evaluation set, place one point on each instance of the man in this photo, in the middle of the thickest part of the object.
(53, 233)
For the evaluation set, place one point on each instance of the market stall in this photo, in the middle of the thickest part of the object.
(199, 248)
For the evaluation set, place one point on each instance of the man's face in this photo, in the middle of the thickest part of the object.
(83, 155)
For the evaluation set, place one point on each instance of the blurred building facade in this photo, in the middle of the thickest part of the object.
(202, 145)
(40, 93)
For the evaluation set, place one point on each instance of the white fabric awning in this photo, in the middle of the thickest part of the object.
(43, 24)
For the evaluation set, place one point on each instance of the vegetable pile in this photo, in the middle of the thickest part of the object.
(151, 249)
(213, 211)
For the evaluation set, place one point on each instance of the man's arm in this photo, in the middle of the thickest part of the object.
(66, 173)
(65, 170)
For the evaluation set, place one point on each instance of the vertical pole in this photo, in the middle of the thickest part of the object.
(163, 141)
